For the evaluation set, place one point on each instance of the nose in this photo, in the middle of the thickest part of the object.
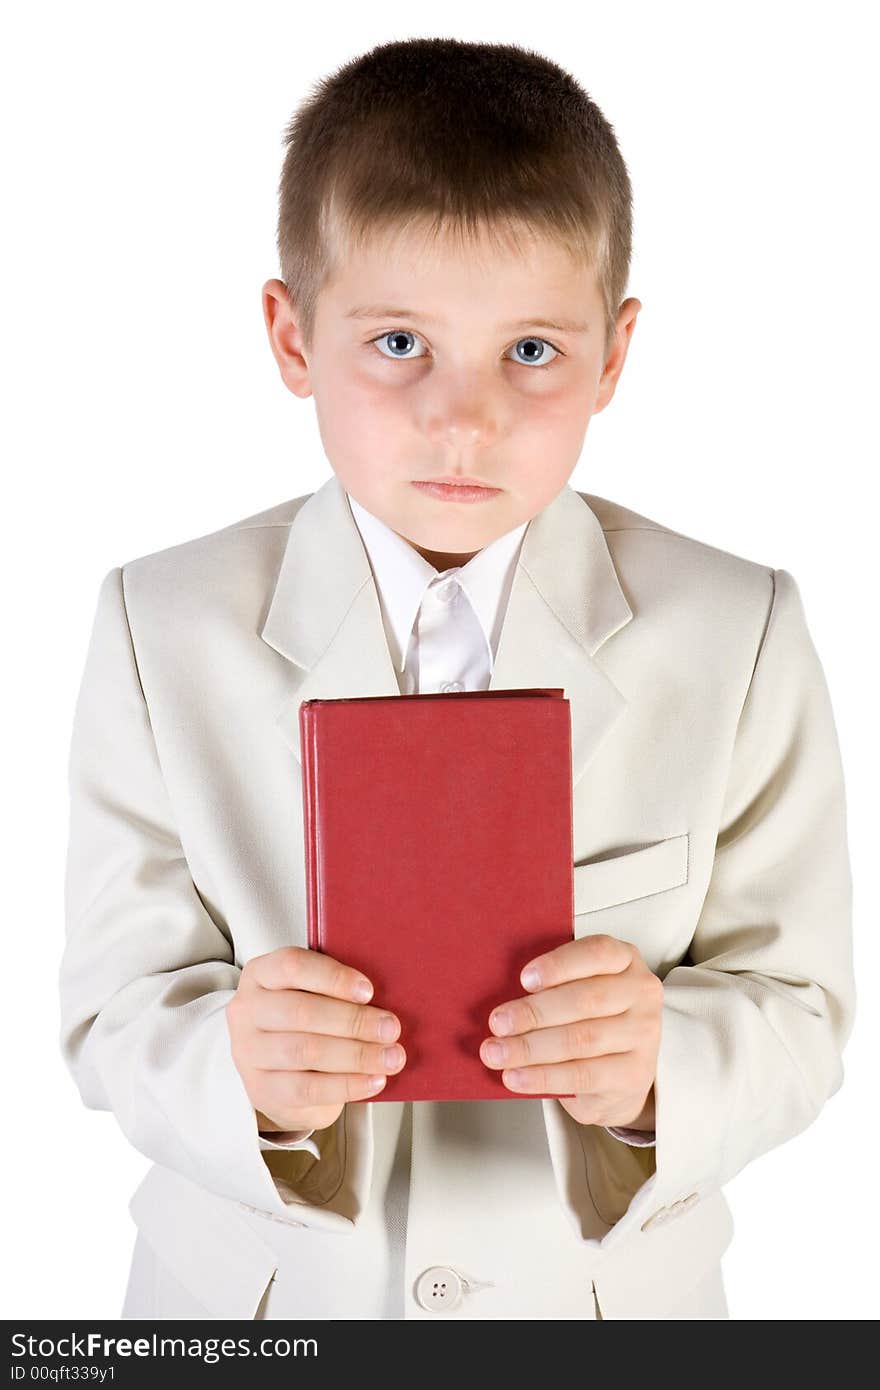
(460, 422)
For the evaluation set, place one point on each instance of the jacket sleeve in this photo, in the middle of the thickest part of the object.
(146, 972)
(755, 1023)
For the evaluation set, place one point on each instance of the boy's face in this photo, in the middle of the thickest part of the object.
(432, 361)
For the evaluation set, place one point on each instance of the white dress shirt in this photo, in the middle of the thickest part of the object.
(442, 630)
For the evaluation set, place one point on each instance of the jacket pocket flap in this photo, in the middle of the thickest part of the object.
(635, 874)
(204, 1241)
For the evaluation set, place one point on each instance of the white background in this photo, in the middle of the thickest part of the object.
(142, 149)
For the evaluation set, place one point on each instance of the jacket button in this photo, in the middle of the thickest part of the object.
(655, 1220)
(438, 1289)
(684, 1204)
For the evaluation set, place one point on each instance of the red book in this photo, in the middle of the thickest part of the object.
(439, 861)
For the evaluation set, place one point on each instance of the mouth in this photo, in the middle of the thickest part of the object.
(457, 489)
(455, 480)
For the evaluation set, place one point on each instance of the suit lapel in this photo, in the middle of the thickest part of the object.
(565, 602)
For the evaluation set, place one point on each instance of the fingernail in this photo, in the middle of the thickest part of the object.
(392, 1057)
(502, 1022)
(388, 1029)
(362, 990)
(376, 1083)
(530, 978)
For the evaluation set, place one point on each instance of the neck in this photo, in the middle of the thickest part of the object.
(442, 561)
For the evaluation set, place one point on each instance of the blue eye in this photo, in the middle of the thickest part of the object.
(400, 339)
(533, 360)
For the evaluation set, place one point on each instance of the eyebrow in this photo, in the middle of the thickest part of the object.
(388, 311)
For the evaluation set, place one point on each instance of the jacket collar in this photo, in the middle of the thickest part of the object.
(565, 601)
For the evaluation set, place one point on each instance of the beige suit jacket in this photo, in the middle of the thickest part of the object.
(709, 831)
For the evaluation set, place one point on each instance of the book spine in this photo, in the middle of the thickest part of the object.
(310, 827)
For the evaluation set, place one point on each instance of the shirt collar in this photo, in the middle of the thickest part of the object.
(402, 575)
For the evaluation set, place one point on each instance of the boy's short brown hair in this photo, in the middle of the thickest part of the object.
(458, 136)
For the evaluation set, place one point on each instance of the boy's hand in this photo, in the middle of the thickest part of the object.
(302, 1041)
(590, 1025)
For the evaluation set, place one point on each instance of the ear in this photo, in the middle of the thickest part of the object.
(626, 322)
(285, 338)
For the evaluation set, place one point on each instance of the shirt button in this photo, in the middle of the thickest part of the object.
(438, 1289)
(450, 686)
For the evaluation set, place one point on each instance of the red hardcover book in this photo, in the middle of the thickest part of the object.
(439, 861)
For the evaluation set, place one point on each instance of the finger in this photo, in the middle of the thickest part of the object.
(585, 1037)
(608, 1075)
(318, 1052)
(296, 1011)
(598, 954)
(296, 967)
(595, 997)
(283, 1092)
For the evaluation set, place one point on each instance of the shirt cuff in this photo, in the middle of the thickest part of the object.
(637, 1138)
(290, 1139)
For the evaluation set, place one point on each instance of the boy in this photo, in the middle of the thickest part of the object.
(454, 236)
